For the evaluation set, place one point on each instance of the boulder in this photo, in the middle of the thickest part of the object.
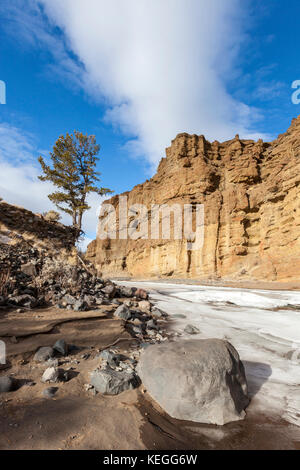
(196, 380)
(7, 384)
(110, 357)
(61, 347)
(109, 290)
(141, 294)
(126, 291)
(156, 312)
(80, 306)
(191, 330)
(50, 375)
(123, 312)
(110, 382)
(43, 354)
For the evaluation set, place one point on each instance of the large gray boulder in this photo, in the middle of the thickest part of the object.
(196, 380)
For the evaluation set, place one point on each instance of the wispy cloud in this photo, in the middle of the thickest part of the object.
(159, 67)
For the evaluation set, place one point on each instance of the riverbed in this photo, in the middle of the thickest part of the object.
(264, 327)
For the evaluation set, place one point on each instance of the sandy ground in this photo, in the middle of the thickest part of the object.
(76, 419)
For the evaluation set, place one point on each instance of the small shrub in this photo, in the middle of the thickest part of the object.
(52, 216)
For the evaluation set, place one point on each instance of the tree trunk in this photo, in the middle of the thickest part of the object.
(80, 220)
(74, 216)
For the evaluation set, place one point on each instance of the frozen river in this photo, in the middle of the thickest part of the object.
(264, 327)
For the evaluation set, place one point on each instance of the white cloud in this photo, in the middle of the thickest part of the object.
(161, 65)
(19, 182)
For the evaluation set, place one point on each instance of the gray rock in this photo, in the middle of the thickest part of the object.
(191, 330)
(50, 375)
(123, 312)
(111, 358)
(69, 299)
(137, 329)
(110, 382)
(7, 384)
(89, 299)
(80, 306)
(25, 300)
(196, 380)
(178, 315)
(126, 291)
(151, 324)
(109, 290)
(52, 362)
(43, 354)
(156, 312)
(50, 392)
(61, 347)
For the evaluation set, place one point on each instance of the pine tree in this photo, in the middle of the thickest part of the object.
(74, 173)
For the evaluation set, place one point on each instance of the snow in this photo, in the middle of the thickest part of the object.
(262, 326)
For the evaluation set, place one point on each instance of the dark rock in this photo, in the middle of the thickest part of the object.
(50, 392)
(109, 290)
(61, 347)
(109, 356)
(25, 300)
(151, 324)
(126, 291)
(43, 354)
(156, 312)
(110, 382)
(80, 306)
(7, 384)
(123, 312)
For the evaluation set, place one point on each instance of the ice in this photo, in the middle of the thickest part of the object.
(264, 326)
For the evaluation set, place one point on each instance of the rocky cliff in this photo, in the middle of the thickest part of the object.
(251, 196)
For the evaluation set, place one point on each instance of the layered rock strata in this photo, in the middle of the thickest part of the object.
(250, 192)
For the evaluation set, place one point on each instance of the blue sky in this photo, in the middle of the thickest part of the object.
(135, 73)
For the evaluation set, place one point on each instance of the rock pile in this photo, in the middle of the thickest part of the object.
(33, 278)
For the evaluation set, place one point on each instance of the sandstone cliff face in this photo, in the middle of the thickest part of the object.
(251, 196)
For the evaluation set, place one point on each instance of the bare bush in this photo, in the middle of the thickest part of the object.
(52, 216)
